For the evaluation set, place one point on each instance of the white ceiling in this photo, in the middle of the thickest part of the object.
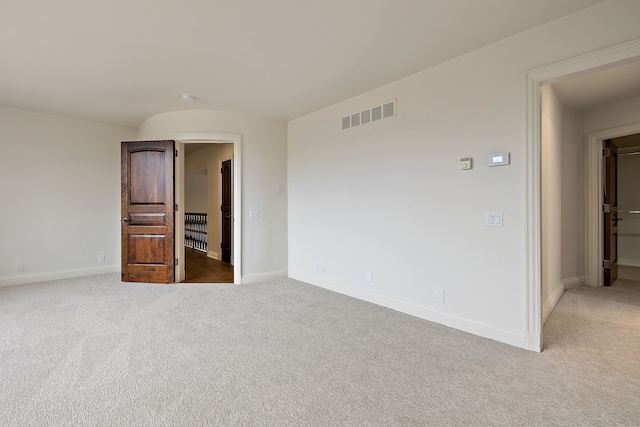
(121, 61)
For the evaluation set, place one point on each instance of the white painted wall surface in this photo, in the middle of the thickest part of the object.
(573, 198)
(195, 192)
(611, 116)
(264, 179)
(551, 194)
(389, 197)
(60, 192)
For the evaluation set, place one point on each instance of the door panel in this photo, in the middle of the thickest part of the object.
(610, 216)
(226, 211)
(147, 174)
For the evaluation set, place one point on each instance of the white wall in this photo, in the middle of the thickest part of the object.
(60, 192)
(573, 179)
(264, 179)
(195, 192)
(614, 115)
(562, 199)
(389, 197)
(551, 198)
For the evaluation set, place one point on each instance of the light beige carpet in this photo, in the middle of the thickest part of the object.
(94, 351)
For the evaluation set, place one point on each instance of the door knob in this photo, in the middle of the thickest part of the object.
(124, 220)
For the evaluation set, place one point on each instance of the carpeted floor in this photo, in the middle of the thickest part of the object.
(94, 351)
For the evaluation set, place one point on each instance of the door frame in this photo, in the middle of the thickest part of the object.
(594, 223)
(210, 138)
(534, 79)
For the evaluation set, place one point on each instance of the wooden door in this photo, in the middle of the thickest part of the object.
(147, 211)
(226, 211)
(610, 216)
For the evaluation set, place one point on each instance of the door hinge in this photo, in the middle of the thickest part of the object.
(606, 152)
(221, 244)
(176, 262)
(176, 151)
(606, 208)
(175, 207)
(220, 170)
(606, 263)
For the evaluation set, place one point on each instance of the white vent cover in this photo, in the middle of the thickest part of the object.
(370, 115)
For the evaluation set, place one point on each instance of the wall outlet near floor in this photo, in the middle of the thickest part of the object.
(254, 214)
(439, 295)
(316, 268)
(369, 276)
(20, 266)
(101, 258)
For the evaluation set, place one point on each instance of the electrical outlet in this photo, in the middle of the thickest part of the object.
(369, 276)
(439, 295)
(101, 258)
(20, 266)
(317, 268)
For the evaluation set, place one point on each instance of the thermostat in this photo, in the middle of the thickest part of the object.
(465, 163)
(498, 159)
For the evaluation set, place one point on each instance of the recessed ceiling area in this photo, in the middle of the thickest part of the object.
(123, 61)
(600, 88)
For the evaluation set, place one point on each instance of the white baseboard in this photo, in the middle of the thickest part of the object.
(261, 277)
(426, 313)
(552, 300)
(574, 282)
(58, 275)
(628, 262)
(213, 255)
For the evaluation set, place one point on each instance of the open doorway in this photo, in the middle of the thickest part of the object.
(208, 209)
(203, 153)
(629, 207)
(535, 304)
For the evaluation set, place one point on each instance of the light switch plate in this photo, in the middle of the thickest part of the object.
(494, 219)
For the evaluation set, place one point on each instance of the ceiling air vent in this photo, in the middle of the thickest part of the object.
(370, 115)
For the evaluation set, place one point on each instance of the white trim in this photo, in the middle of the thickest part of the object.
(236, 140)
(426, 313)
(594, 233)
(626, 52)
(58, 275)
(261, 277)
